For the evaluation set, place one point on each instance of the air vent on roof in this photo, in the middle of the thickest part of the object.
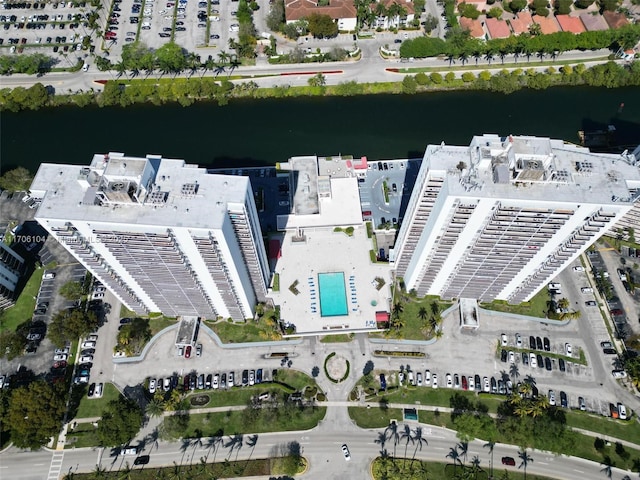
(189, 189)
(117, 186)
(158, 197)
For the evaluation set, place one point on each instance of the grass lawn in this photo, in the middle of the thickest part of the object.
(418, 470)
(624, 430)
(230, 469)
(374, 417)
(84, 435)
(413, 323)
(93, 407)
(22, 311)
(294, 378)
(622, 457)
(232, 422)
(339, 338)
(234, 396)
(439, 397)
(160, 323)
(243, 332)
(536, 307)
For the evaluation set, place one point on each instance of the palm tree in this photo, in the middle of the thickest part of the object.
(155, 408)
(490, 445)
(475, 466)
(514, 372)
(120, 68)
(394, 435)
(408, 435)
(418, 439)
(455, 457)
(526, 459)
(464, 450)
(608, 466)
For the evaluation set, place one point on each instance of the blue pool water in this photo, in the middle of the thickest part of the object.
(333, 294)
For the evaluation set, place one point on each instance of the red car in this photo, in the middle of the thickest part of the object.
(187, 352)
(465, 385)
(508, 461)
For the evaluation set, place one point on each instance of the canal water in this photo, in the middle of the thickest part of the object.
(263, 132)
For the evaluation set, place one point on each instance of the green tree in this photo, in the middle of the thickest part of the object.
(120, 422)
(409, 84)
(16, 180)
(468, 77)
(495, 12)
(517, 5)
(563, 7)
(12, 344)
(171, 58)
(71, 290)
(34, 414)
(275, 17)
(450, 77)
(318, 80)
(468, 10)
(71, 324)
(322, 26)
(436, 78)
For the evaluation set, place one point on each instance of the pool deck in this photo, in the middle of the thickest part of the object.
(324, 251)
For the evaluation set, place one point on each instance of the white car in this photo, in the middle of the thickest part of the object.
(567, 349)
(552, 398)
(89, 344)
(152, 385)
(167, 384)
(512, 357)
(234, 27)
(215, 383)
(449, 381)
(62, 350)
(59, 357)
(99, 390)
(419, 378)
(427, 377)
(487, 388)
(434, 381)
(578, 269)
(345, 452)
(86, 359)
(49, 275)
(503, 339)
(518, 340)
(532, 360)
(472, 383)
(252, 376)
(586, 290)
(622, 412)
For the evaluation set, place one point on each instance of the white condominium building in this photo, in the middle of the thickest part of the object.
(500, 218)
(162, 235)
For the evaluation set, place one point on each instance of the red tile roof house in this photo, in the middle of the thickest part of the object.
(615, 19)
(473, 26)
(570, 24)
(497, 28)
(593, 22)
(343, 12)
(387, 22)
(521, 23)
(547, 24)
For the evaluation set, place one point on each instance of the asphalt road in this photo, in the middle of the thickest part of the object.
(370, 68)
(320, 446)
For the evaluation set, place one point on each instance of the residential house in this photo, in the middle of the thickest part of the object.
(521, 23)
(473, 26)
(570, 24)
(497, 28)
(593, 22)
(396, 13)
(343, 12)
(548, 25)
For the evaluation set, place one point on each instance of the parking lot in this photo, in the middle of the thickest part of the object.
(57, 29)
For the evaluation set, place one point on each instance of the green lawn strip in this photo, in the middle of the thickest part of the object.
(438, 397)
(233, 422)
(581, 360)
(84, 435)
(93, 407)
(22, 311)
(339, 338)
(158, 324)
(226, 469)
(242, 332)
(624, 430)
(536, 307)
(374, 417)
(295, 379)
(500, 66)
(408, 470)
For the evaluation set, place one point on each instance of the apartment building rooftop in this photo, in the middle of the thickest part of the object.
(534, 168)
(116, 188)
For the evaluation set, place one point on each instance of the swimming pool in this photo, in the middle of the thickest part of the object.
(333, 294)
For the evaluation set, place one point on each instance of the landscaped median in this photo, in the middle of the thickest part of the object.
(524, 421)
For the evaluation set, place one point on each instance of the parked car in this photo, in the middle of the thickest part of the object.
(547, 363)
(510, 461)
(259, 375)
(252, 377)
(503, 340)
(622, 411)
(187, 352)
(152, 385)
(567, 349)
(230, 379)
(563, 399)
(547, 345)
(345, 452)
(532, 342)
(581, 404)
(198, 350)
(434, 380)
(561, 365)
(552, 398)
(427, 377)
